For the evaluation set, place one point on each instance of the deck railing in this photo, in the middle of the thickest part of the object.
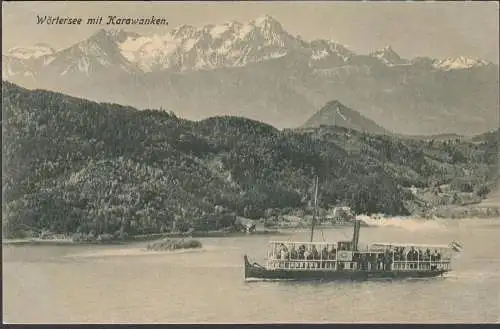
(333, 265)
(342, 259)
(424, 265)
(301, 264)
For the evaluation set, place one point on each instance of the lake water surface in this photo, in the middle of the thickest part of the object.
(123, 284)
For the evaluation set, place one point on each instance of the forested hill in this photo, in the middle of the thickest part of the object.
(71, 165)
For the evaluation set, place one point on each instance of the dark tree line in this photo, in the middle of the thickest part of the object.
(72, 165)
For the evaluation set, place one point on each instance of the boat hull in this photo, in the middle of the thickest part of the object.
(256, 271)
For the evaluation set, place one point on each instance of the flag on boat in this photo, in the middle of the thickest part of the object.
(456, 246)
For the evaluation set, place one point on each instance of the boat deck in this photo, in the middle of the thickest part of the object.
(335, 265)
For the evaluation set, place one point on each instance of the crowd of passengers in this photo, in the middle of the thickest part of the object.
(304, 252)
(310, 252)
(414, 255)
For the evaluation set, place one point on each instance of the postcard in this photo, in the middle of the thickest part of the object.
(250, 162)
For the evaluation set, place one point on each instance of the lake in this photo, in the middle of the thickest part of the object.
(124, 284)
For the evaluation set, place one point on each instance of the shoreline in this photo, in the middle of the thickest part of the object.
(479, 211)
(279, 230)
(134, 238)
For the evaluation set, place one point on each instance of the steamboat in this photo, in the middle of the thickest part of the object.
(345, 260)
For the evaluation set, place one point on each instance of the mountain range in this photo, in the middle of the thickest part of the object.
(259, 70)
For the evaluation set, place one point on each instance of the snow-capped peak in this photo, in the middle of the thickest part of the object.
(114, 35)
(224, 45)
(386, 51)
(219, 31)
(183, 31)
(267, 22)
(460, 62)
(324, 48)
(32, 52)
(388, 56)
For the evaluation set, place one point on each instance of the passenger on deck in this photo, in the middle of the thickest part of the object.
(397, 254)
(324, 253)
(415, 254)
(293, 253)
(277, 252)
(332, 254)
(436, 256)
(315, 253)
(301, 252)
(420, 255)
(363, 262)
(427, 255)
(284, 252)
(380, 261)
(412, 255)
(402, 254)
(307, 254)
(388, 259)
(324, 256)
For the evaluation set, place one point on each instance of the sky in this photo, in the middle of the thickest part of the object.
(438, 30)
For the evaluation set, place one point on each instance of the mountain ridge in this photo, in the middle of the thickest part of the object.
(265, 28)
(259, 70)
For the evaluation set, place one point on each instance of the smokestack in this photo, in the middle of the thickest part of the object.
(355, 235)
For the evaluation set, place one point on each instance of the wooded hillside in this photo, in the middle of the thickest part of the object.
(72, 165)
